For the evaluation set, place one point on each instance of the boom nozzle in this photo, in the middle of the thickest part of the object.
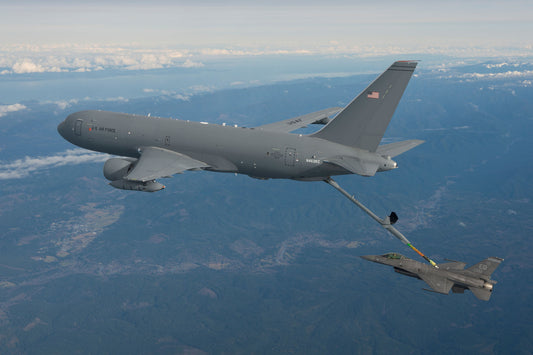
(393, 218)
(385, 223)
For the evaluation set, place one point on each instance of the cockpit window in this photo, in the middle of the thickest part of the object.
(394, 256)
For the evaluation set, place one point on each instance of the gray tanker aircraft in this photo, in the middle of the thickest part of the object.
(153, 148)
(447, 276)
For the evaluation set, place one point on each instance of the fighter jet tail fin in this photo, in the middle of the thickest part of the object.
(486, 267)
(363, 122)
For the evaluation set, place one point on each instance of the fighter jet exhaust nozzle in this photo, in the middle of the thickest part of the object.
(488, 286)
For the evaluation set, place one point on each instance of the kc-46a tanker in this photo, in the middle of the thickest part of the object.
(153, 148)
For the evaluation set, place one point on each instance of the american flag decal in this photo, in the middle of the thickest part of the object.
(373, 95)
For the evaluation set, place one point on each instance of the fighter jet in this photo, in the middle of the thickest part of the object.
(447, 276)
(153, 148)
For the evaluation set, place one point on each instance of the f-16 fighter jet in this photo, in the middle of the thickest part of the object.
(451, 275)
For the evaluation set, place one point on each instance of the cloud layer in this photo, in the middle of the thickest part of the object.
(25, 59)
(21, 168)
(5, 109)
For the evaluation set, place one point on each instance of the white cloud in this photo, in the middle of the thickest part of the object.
(505, 75)
(201, 88)
(79, 58)
(63, 104)
(5, 109)
(190, 64)
(26, 66)
(116, 99)
(182, 97)
(24, 167)
(23, 59)
(499, 65)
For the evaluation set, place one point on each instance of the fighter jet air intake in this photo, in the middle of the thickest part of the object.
(152, 148)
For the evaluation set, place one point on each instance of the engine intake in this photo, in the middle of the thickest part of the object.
(115, 169)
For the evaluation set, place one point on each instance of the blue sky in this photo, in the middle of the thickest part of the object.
(293, 25)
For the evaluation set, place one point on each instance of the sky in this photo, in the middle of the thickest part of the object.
(271, 25)
(86, 36)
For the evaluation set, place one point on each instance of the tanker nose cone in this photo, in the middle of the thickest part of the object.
(62, 129)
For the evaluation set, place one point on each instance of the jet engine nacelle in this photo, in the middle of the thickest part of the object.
(117, 168)
(148, 186)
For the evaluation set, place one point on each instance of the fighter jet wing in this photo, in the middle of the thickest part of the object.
(286, 126)
(438, 284)
(159, 162)
(356, 166)
(453, 265)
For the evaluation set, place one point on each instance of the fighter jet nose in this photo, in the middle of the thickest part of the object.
(367, 257)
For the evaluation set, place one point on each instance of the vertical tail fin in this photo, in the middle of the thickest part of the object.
(486, 267)
(363, 122)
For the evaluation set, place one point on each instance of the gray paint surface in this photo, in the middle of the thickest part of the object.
(160, 147)
(447, 276)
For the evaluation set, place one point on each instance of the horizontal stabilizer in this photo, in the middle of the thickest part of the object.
(292, 124)
(354, 165)
(481, 293)
(394, 149)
